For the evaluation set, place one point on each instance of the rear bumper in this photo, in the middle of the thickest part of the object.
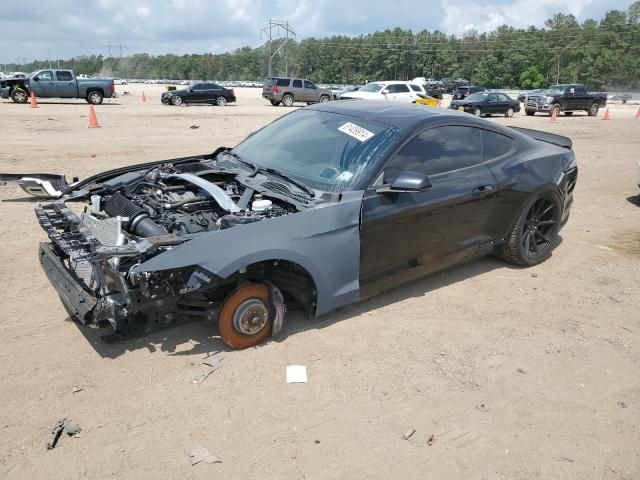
(4, 92)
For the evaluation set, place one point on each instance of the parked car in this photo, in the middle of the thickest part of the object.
(287, 90)
(51, 83)
(565, 98)
(343, 90)
(461, 82)
(393, 90)
(619, 97)
(200, 93)
(487, 103)
(120, 81)
(323, 207)
(463, 92)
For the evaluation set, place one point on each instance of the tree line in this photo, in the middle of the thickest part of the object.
(602, 54)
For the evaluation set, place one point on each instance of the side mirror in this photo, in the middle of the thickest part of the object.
(572, 91)
(408, 182)
(36, 78)
(385, 91)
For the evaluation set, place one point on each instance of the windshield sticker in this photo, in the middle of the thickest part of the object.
(344, 177)
(359, 133)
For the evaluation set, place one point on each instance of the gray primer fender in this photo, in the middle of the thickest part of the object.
(324, 240)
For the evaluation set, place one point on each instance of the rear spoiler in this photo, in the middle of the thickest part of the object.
(551, 138)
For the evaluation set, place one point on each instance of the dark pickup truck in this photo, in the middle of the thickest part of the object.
(52, 83)
(564, 98)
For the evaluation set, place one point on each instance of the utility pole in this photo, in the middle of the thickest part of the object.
(268, 31)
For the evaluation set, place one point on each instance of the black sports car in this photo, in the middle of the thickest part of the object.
(324, 207)
(200, 93)
(487, 103)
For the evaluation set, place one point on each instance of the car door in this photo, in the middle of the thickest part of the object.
(208, 93)
(310, 91)
(43, 84)
(405, 235)
(503, 103)
(66, 86)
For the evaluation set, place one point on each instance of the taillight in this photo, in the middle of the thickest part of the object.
(275, 89)
(233, 94)
(113, 87)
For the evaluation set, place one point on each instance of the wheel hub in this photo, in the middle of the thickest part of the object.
(251, 316)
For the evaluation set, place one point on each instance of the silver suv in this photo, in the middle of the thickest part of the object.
(287, 90)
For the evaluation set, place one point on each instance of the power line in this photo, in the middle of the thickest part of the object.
(278, 25)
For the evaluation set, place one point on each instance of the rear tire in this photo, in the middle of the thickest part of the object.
(246, 318)
(275, 103)
(568, 114)
(593, 110)
(535, 231)
(95, 98)
(477, 112)
(509, 113)
(287, 100)
(19, 95)
(221, 101)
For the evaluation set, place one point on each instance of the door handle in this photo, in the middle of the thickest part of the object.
(483, 189)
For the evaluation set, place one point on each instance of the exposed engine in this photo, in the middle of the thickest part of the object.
(168, 201)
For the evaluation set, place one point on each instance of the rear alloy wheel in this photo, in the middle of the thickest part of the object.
(246, 317)
(509, 113)
(221, 101)
(95, 98)
(593, 111)
(477, 112)
(19, 96)
(176, 100)
(287, 100)
(535, 231)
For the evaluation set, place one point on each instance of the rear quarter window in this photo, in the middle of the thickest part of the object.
(495, 145)
(283, 82)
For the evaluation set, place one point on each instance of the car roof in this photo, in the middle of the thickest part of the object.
(387, 82)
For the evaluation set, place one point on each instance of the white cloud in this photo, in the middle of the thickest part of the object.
(466, 15)
(143, 11)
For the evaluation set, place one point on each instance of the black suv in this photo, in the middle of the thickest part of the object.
(463, 92)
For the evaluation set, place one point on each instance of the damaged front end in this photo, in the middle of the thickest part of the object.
(125, 220)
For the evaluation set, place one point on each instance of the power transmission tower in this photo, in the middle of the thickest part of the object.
(279, 27)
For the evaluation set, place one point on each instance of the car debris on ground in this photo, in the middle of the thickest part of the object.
(214, 363)
(43, 185)
(197, 453)
(56, 432)
(409, 433)
(296, 374)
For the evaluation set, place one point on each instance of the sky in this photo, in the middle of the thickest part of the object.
(65, 28)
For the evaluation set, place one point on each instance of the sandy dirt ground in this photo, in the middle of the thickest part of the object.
(513, 373)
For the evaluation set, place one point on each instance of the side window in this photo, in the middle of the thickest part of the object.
(502, 97)
(415, 88)
(215, 86)
(492, 97)
(308, 84)
(437, 150)
(46, 76)
(580, 90)
(282, 82)
(297, 84)
(64, 75)
(495, 145)
(196, 88)
(401, 88)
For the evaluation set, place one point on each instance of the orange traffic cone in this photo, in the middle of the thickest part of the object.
(554, 116)
(93, 120)
(637, 115)
(606, 115)
(32, 100)
(144, 98)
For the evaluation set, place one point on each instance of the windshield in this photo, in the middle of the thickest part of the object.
(372, 87)
(326, 151)
(477, 97)
(557, 89)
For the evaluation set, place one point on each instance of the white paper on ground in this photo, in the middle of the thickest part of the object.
(296, 374)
